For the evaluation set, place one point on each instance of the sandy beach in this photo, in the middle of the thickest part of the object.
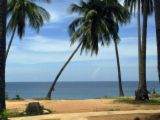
(84, 106)
(76, 106)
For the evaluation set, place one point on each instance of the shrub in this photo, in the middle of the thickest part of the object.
(17, 97)
(3, 115)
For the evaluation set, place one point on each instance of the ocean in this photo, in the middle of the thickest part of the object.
(74, 90)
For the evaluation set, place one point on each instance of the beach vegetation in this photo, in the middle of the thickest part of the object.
(131, 100)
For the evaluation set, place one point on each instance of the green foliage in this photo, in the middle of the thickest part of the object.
(17, 97)
(154, 95)
(98, 23)
(22, 11)
(8, 113)
(132, 5)
(4, 115)
(131, 100)
(16, 114)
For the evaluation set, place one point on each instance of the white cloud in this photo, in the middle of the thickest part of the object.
(44, 44)
(57, 16)
(54, 17)
(41, 49)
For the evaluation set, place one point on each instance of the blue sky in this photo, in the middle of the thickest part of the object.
(38, 57)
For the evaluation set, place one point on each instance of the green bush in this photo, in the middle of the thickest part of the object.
(17, 97)
(3, 115)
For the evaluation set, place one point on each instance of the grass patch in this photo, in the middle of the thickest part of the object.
(131, 100)
(154, 96)
(16, 114)
(20, 114)
(23, 114)
(116, 109)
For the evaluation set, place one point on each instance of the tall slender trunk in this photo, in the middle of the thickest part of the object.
(10, 42)
(3, 12)
(157, 21)
(61, 70)
(121, 93)
(142, 93)
(139, 38)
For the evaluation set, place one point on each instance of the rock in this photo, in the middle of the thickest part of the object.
(34, 108)
(46, 112)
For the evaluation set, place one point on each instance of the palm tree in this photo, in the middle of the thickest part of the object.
(142, 92)
(3, 9)
(61, 70)
(98, 23)
(132, 4)
(157, 21)
(3, 19)
(147, 9)
(22, 11)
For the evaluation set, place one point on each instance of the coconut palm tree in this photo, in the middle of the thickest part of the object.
(157, 21)
(3, 9)
(147, 9)
(3, 19)
(98, 22)
(142, 92)
(22, 11)
(132, 4)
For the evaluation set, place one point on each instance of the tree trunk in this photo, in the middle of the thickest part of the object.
(10, 42)
(142, 93)
(60, 72)
(3, 12)
(139, 38)
(121, 93)
(157, 21)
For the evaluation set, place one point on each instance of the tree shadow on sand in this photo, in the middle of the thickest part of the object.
(152, 117)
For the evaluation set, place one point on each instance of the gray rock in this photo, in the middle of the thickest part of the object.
(34, 108)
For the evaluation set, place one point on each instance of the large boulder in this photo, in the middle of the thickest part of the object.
(34, 108)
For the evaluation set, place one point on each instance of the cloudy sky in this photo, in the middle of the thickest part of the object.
(38, 57)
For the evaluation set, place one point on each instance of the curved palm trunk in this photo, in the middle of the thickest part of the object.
(157, 21)
(121, 93)
(3, 12)
(142, 93)
(60, 72)
(10, 42)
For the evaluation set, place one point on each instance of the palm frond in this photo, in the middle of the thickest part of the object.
(23, 12)
(98, 24)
